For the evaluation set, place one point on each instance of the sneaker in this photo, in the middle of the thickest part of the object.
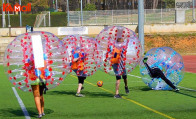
(176, 90)
(145, 59)
(82, 88)
(79, 95)
(117, 96)
(39, 116)
(43, 114)
(126, 90)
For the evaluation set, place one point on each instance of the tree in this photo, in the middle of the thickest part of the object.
(169, 3)
(39, 5)
(90, 7)
(88, 1)
(155, 3)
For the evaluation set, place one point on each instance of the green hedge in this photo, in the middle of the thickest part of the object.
(57, 19)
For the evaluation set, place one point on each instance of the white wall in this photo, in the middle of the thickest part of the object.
(156, 28)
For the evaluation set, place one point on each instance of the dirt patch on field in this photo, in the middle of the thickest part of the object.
(183, 44)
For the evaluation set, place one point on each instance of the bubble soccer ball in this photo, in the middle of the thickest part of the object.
(99, 83)
(84, 54)
(167, 60)
(119, 57)
(33, 58)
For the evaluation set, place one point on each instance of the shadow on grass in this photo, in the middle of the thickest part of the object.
(186, 94)
(86, 93)
(33, 111)
(61, 92)
(10, 112)
(140, 88)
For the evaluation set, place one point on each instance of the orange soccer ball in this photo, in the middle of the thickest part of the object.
(99, 83)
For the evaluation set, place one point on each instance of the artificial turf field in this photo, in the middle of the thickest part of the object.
(140, 103)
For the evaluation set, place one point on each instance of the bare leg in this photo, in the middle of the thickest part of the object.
(79, 87)
(37, 99)
(117, 86)
(42, 98)
(42, 103)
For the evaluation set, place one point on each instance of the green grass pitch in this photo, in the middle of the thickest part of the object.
(140, 103)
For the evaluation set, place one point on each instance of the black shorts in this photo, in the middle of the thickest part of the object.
(119, 77)
(81, 79)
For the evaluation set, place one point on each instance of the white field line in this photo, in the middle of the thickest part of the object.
(187, 88)
(26, 114)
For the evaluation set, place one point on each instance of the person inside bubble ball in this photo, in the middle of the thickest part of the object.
(116, 60)
(77, 66)
(155, 72)
(39, 84)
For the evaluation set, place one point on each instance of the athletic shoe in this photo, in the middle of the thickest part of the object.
(126, 90)
(117, 96)
(79, 95)
(82, 88)
(39, 116)
(43, 114)
(177, 89)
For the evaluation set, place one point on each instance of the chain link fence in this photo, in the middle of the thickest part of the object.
(123, 17)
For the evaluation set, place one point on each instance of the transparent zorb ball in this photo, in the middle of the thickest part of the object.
(167, 60)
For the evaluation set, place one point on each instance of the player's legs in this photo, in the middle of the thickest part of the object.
(80, 84)
(118, 77)
(117, 84)
(81, 79)
(125, 82)
(158, 73)
(36, 94)
(42, 99)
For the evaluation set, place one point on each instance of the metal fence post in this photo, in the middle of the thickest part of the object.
(193, 21)
(145, 15)
(3, 16)
(44, 20)
(128, 16)
(141, 22)
(49, 24)
(96, 17)
(67, 12)
(79, 19)
(161, 15)
(81, 15)
(112, 18)
(20, 15)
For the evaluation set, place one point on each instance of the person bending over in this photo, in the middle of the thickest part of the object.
(155, 72)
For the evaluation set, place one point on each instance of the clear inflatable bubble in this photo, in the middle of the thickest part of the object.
(121, 48)
(84, 54)
(33, 58)
(167, 60)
